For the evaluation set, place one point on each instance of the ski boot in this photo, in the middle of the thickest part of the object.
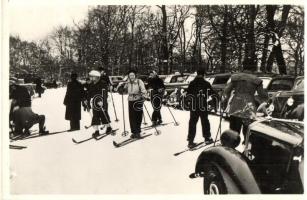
(96, 134)
(43, 132)
(208, 141)
(191, 145)
(109, 130)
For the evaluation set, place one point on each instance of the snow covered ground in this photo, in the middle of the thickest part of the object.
(55, 165)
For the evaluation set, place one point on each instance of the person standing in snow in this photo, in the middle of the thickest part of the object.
(156, 87)
(241, 104)
(136, 92)
(72, 101)
(98, 92)
(199, 91)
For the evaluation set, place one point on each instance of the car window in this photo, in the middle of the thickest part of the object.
(168, 79)
(174, 79)
(265, 81)
(180, 79)
(190, 78)
(221, 80)
(280, 84)
(299, 85)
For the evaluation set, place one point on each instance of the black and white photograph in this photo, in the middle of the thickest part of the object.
(199, 98)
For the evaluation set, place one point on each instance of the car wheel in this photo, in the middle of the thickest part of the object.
(214, 182)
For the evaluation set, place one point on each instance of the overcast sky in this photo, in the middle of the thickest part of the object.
(35, 21)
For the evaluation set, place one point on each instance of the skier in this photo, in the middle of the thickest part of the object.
(21, 112)
(136, 93)
(156, 87)
(242, 103)
(98, 92)
(39, 87)
(199, 91)
(72, 101)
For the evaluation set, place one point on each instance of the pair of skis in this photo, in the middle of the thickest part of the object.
(145, 135)
(99, 137)
(17, 147)
(130, 140)
(199, 145)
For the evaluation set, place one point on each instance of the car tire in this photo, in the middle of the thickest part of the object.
(213, 182)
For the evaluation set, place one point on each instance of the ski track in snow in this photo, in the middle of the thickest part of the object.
(55, 165)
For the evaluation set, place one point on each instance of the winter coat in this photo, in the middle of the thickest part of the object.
(98, 92)
(136, 90)
(21, 96)
(72, 101)
(199, 92)
(157, 86)
(156, 83)
(242, 102)
(39, 88)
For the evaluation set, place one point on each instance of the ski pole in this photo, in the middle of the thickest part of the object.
(116, 119)
(219, 130)
(175, 122)
(158, 132)
(125, 133)
(145, 123)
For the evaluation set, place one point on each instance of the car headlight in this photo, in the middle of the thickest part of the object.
(271, 108)
(290, 101)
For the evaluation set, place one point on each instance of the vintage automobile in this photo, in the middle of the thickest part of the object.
(219, 82)
(271, 161)
(174, 81)
(116, 80)
(280, 83)
(290, 104)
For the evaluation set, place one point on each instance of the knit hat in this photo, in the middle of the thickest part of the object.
(94, 73)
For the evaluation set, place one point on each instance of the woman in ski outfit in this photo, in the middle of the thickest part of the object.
(98, 92)
(136, 92)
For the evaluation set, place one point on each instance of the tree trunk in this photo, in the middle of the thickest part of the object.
(164, 40)
(277, 50)
(224, 40)
(250, 62)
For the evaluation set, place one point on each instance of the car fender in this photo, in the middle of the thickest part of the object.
(233, 164)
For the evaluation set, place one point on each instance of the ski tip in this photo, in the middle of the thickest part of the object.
(115, 144)
(74, 141)
(176, 154)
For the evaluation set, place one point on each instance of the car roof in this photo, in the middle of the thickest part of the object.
(289, 132)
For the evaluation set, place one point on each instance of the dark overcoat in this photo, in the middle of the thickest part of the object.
(72, 101)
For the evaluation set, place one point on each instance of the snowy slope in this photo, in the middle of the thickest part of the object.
(55, 165)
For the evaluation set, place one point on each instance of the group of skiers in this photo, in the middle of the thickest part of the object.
(93, 95)
(96, 90)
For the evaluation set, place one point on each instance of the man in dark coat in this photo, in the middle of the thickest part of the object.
(21, 112)
(241, 105)
(199, 91)
(72, 101)
(157, 87)
(39, 87)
